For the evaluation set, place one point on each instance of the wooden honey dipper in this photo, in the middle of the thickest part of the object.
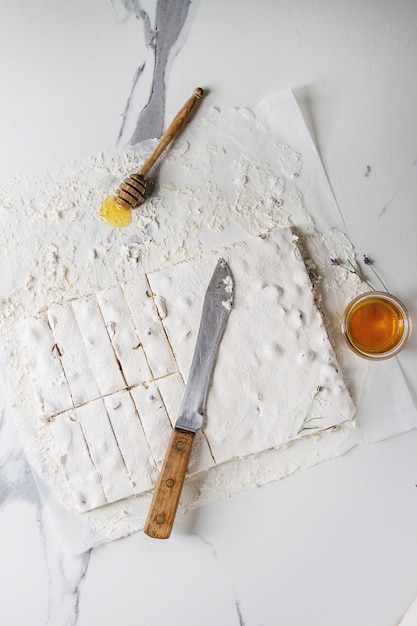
(116, 210)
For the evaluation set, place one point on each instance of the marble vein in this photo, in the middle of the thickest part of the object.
(16, 480)
(239, 614)
(215, 557)
(66, 572)
(162, 42)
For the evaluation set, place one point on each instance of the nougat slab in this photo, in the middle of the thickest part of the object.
(109, 370)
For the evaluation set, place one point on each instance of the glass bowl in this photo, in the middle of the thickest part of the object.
(376, 325)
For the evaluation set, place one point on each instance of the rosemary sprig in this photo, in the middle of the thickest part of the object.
(308, 419)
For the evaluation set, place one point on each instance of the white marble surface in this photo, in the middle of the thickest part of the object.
(335, 544)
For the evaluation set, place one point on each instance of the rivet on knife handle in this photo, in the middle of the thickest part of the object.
(167, 493)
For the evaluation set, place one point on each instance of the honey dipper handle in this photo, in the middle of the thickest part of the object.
(172, 131)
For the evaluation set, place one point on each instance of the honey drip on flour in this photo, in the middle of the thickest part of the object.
(115, 214)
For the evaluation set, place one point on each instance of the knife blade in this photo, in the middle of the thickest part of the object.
(216, 308)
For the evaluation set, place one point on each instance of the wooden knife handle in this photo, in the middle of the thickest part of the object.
(168, 488)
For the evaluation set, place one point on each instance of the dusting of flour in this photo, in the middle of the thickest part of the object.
(228, 178)
(210, 190)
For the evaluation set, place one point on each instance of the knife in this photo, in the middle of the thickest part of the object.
(216, 309)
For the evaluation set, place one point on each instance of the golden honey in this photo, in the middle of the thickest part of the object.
(376, 325)
(115, 214)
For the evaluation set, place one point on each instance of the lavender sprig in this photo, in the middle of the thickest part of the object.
(352, 270)
(355, 269)
(369, 262)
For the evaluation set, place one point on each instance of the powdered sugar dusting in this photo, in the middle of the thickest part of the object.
(227, 179)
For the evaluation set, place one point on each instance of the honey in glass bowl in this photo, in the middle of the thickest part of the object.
(376, 325)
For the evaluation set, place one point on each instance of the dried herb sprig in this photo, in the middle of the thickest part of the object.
(355, 269)
(307, 419)
(370, 264)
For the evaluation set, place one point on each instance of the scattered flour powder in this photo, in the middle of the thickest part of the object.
(235, 189)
